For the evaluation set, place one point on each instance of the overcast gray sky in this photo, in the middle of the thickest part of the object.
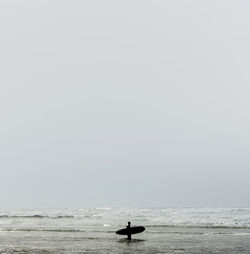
(124, 103)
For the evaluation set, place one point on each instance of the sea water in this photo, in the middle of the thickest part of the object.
(168, 230)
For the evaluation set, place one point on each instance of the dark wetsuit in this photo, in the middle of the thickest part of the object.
(129, 234)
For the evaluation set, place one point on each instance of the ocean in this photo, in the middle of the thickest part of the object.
(168, 230)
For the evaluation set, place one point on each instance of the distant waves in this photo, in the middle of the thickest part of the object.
(149, 217)
(38, 216)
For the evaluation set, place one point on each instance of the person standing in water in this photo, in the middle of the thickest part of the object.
(129, 233)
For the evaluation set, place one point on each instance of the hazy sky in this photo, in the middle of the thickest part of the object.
(124, 103)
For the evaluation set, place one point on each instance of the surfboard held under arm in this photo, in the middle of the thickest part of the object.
(131, 230)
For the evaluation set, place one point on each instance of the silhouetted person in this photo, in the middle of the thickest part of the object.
(128, 228)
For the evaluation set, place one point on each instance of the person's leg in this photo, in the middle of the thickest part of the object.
(129, 236)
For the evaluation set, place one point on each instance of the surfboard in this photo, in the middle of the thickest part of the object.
(132, 230)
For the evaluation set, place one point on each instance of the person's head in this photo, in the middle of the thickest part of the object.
(129, 223)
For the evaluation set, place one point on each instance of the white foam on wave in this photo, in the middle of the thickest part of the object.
(209, 217)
